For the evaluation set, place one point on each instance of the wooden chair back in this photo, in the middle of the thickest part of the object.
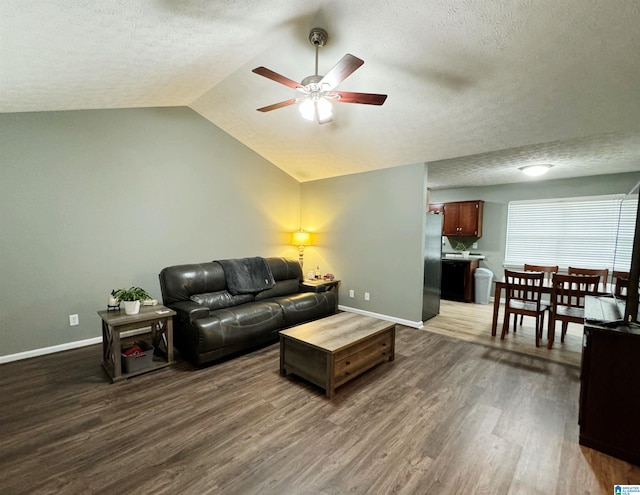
(523, 297)
(603, 274)
(567, 301)
(547, 270)
(569, 290)
(621, 284)
(524, 287)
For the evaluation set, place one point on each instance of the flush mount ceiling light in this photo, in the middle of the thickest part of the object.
(318, 92)
(535, 170)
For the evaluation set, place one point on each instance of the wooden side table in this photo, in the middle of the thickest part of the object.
(158, 318)
(329, 284)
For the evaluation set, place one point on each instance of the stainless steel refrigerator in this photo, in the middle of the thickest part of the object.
(432, 265)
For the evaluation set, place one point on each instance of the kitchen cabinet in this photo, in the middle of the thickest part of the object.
(461, 218)
(456, 283)
(610, 391)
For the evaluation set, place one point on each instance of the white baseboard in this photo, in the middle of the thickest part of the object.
(400, 321)
(96, 340)
(49, 350)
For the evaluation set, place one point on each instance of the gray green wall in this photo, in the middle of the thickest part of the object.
(369, 233)
(496, 198)
(96, 200)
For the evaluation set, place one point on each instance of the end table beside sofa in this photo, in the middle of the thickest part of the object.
(159, 321)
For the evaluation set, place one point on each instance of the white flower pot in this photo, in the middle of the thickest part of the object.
(465, 254)
(131, 307)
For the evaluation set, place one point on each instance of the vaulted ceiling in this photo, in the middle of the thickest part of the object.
(476, 88)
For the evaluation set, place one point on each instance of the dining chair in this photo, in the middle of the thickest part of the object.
(567, 301)
(548, 274)
(546, 269)
(621, 284)
(603, 274)
(523, 297)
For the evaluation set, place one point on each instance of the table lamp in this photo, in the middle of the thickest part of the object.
(301, 239)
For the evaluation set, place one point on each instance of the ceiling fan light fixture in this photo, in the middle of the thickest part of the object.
(535, 170)
(319, 109)
(307, 109)
(324, 109)
(317, 90)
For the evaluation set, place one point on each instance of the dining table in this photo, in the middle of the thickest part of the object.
(545, 289)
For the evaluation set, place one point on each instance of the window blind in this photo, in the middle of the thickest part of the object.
(589, 232)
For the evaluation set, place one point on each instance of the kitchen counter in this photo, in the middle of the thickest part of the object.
(459, 257)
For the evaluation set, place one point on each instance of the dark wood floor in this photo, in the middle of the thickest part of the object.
(446, 417)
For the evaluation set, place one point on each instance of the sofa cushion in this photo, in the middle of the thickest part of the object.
(180, 282)
(221, 299)
(284, 269)
(282, 288)
(306, 306)
(247, 323)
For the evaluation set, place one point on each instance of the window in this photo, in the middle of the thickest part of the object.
(583, 232)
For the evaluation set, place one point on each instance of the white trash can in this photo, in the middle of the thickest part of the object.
(482, 278)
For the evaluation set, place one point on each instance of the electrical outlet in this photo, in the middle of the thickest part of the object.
(352, 293)
(474, 245)
(73, 320)
(367, 296)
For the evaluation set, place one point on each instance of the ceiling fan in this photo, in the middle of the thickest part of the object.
(318, 91)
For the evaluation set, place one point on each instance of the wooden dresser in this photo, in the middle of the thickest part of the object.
(610, 391)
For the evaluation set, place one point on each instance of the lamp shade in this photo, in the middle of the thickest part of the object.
(301, 238)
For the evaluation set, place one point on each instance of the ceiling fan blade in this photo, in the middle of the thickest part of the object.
(364, 98)
(343, 69)
(274, 76)
(275, 106)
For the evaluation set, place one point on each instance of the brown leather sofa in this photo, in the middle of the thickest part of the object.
(214, 321)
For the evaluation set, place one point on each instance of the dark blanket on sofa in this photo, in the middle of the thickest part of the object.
(245, 275)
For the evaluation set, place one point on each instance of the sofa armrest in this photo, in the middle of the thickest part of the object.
(312, 288)
(189, 310)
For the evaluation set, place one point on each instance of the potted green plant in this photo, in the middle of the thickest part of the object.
(131, 298)
(463, 248)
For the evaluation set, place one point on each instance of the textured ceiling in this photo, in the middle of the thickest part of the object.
(476, 88)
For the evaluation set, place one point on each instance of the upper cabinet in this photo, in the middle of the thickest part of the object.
(436, 207)
(462, 218)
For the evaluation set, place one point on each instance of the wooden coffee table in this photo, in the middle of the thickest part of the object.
(331, 351)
